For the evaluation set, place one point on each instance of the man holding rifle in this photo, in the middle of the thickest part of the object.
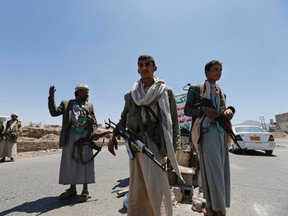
(78, 122)
(150, 112)
(9, 132)
(211, 137)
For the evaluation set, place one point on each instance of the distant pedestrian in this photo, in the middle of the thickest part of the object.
(11, 129)
(205, 103)
(78, 121)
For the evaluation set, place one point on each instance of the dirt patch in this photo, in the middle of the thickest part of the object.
(38, 153)
(281, 135)
(36, 141)
(42, 139)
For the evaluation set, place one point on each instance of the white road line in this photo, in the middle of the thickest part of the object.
(260, 210)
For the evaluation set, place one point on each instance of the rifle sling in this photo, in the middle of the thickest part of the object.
(142, 125)
(79, 144)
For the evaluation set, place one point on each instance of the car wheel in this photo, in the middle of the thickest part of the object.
(269, 152)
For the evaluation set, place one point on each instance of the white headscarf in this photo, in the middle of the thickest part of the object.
(156, 93)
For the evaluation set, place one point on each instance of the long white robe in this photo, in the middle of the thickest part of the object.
(215, 169)
(8, 149)
(72, 172)
(149, 190)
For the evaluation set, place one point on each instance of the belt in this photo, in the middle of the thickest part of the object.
(79, 125)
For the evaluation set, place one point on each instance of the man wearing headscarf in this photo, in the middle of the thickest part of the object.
(210, 139)
(150, 112)
(77, 115)
(10, 132)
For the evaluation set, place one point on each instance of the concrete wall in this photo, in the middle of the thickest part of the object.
(282, 122)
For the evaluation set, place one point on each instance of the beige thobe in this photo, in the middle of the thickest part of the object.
(149, 190)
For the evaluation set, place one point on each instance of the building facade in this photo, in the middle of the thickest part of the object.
(4, 118)
(282, 122)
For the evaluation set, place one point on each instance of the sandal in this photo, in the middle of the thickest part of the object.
(68, 193)
(209, 212)
(84, 197)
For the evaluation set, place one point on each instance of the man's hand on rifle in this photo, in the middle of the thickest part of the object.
(210, 112)
(228, 113)
(113, 144)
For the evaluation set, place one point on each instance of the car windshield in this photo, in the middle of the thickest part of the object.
(249, 129)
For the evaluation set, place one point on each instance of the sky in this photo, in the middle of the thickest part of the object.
(97, 42)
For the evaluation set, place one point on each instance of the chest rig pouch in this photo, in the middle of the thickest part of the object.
(152, 126)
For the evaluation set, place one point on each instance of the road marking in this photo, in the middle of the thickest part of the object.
(260, 210)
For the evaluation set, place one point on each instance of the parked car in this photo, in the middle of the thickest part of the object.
(251, 137)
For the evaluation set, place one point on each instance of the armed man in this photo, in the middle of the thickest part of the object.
(78, 122)
(10, 130)
(150, 112)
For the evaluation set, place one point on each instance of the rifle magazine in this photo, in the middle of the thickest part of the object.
(129, 150)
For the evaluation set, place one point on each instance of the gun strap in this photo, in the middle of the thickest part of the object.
(202, 89)
(140, 120)
(150, 111)
(142, 125)
(79, 144)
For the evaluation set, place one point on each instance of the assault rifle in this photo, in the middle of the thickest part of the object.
(136, 141)
(221, 119)
(87, 141)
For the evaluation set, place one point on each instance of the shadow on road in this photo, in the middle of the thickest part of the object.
(122, 183)
(42, 206)
(123, 210)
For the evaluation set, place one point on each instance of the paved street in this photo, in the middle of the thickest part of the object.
(29, 186)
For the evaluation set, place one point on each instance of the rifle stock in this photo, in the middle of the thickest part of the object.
(135, 140)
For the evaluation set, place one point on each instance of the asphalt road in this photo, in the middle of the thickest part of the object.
(259, 182)
(29, 186)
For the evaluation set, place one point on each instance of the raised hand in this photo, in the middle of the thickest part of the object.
(52, 90)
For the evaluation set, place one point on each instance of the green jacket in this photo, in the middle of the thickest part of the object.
(130, 118)
(65, 109)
